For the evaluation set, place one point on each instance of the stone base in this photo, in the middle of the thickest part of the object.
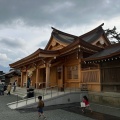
(61, 89)
(105, 98)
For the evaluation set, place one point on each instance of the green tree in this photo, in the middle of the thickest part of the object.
(112, 34)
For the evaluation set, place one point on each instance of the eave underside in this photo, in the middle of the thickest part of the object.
(112, 51)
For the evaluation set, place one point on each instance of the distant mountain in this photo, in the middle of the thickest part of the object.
(4, 69)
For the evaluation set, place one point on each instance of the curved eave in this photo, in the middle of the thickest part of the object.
(37, 54)
(64, 33)
(88, 45)
(60, 41)
(103, 57)
(48, 42)
(79, 42)
(92, 31)
(58, 31)
(109, 50)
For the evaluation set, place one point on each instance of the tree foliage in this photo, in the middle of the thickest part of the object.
(112, 34)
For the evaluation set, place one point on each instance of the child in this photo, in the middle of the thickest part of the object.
(86, 101)
(40, 107)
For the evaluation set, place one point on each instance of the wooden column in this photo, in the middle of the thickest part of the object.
(21, 84)
(37, 77)
(100, 77)
(79, 72)
(47, 75)
(26, 78)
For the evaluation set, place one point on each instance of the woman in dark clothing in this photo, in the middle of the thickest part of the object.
(28, 82)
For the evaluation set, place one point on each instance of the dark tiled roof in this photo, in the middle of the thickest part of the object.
(89, 37)
(13, 71)
(109, 51)
(63, 38)
(93, 36)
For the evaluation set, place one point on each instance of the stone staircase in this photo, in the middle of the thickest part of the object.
(21, 92)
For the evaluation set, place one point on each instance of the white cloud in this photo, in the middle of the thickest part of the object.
(3, 57)
(4, 60)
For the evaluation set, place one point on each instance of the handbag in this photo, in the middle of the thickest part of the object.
(82, 104)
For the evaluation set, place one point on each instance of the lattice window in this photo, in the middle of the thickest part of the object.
(72, 72)
(59, 71)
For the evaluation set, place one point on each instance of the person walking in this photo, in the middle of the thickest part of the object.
(28, 82)
(87, 104)
(14, 85)
(40, 107)
(9, 87)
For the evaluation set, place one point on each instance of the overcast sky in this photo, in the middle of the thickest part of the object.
(25, 25)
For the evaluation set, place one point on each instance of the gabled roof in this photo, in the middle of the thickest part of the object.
(92, 37)
(82, 44)
(89, 37)
(110, 51)
(94, 34)
(61, 37)
(17, 72)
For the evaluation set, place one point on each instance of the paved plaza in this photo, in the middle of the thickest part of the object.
(59, 112)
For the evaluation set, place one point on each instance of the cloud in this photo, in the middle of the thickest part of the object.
(42, 44)
(3, 57)
(55, 12)
(13, 42)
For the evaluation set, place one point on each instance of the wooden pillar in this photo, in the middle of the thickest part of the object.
(26, 79)
(47, 75)
(37, 77)
(21, 84)
(100, 78)
(79, 71)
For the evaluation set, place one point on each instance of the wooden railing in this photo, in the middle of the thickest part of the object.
(90, 76)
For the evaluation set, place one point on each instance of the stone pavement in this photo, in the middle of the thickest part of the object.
(59, 112)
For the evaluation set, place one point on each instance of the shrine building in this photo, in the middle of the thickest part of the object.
(72, 61)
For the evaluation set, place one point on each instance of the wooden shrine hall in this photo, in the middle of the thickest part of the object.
(71, 61)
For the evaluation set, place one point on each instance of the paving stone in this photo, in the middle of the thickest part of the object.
(56, 114)
(60, 112)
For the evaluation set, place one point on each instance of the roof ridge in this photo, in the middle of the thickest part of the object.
(64, 33)
(92, 30)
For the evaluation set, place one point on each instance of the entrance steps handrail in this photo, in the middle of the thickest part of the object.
(51, 91)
